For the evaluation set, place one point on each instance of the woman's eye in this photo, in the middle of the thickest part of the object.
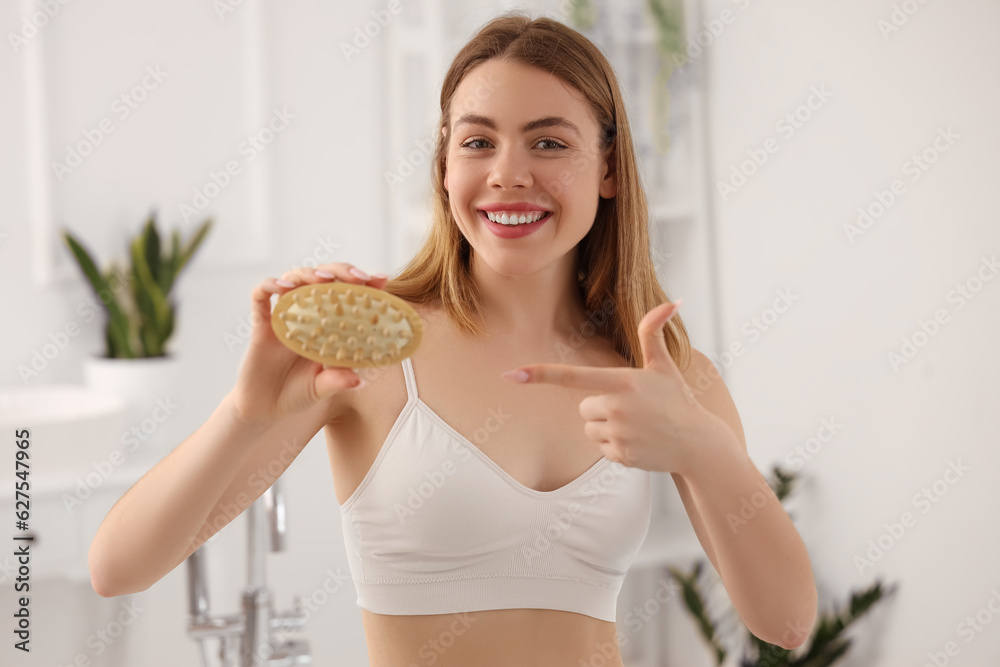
(553, 144)
(468, 143)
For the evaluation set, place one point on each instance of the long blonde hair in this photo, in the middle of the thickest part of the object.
(618, 281)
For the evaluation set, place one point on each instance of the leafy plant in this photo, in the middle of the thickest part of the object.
(669, 18)
(671, 43)
(826, 646)
(137, 300)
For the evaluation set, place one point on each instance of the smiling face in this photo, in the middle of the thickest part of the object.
(532, 142)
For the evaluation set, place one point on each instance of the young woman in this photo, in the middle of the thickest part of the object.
(490, 521)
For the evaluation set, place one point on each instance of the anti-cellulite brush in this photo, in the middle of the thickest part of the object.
(343, 324)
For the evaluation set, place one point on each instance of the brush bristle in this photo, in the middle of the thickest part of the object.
(342, 324)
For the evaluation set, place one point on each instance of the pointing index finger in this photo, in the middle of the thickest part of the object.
(567, 375)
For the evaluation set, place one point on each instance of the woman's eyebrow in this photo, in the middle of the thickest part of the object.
(548, 121)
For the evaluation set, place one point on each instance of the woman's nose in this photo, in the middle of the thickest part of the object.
(509, 169)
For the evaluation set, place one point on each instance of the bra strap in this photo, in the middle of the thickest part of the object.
(411, 381)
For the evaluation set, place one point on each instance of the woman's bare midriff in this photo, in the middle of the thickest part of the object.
(493, 638)
(542, 445)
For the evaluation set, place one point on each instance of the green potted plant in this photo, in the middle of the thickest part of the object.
(826, 644)
(140, 314)
(137, 364)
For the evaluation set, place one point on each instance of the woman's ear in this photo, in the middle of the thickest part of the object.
(444, 133)
(609, 181)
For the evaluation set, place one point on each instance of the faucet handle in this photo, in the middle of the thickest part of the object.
(294, 619)
(197, 585)
(274, 501)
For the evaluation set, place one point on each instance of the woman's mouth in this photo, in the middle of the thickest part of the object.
(515, 217)
(504, 225)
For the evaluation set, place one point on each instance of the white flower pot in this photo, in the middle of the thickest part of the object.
(150, 390)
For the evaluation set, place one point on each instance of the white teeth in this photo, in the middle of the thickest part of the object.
(515, 219)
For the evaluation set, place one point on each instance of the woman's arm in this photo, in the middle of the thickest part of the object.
(752, 542)
(178, 504)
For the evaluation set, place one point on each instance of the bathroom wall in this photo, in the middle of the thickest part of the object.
(826, 385)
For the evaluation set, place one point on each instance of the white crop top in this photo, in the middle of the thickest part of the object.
(436, 527)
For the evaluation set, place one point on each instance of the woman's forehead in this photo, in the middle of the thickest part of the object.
(512, 93)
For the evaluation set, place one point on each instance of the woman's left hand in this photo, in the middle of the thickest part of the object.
(644, 417)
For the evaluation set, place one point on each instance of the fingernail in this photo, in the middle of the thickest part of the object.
(324, 274)
(380, 275)
(516, 376)
(285, 283)
(359, 273)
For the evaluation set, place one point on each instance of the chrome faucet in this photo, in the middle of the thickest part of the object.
(255, 637)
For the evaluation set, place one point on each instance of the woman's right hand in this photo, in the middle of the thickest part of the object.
(275, 382)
